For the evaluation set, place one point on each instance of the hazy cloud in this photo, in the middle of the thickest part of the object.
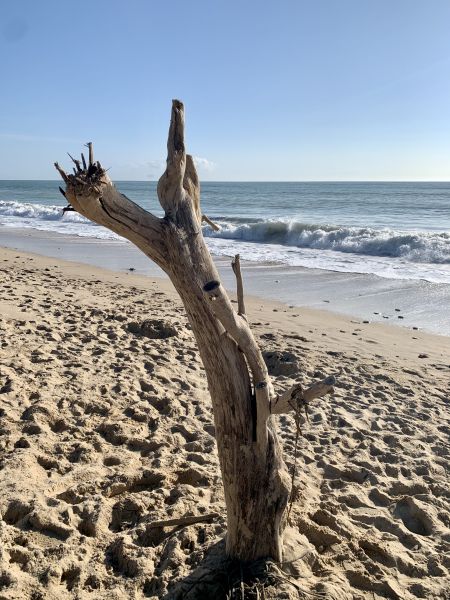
(155, 168)
(203, 164)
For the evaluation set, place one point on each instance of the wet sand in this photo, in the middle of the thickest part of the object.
(407, 303)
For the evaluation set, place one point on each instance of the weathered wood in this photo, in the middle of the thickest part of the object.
(239, 330)
(97, 199)
(183, 521)
(61, 172)
(296, 396)
(213, 225)
(91, 153)
(255, 478)
(236, 266)
(76, 162)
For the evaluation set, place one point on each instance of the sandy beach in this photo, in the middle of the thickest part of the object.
(106, 429)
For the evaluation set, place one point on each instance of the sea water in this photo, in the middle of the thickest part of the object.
(393, 230)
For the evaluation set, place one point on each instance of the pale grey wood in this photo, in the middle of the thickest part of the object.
(183, 521)
(294, 398)
(211, 223)
(236, 266)
(255, 479)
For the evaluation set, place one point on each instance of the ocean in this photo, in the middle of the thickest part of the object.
(392, 230)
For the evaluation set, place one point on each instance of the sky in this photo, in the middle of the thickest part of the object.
(285, 90)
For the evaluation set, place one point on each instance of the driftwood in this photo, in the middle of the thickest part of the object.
(236, 266)
(296, 397)
(213, 225)
(255, 478)
(183, 521)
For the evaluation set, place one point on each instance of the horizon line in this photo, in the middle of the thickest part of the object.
(270, 180)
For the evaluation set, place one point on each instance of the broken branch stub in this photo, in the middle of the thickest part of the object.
(296, 396)
(236, 266)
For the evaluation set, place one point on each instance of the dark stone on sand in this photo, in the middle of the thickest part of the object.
(281, 363)
(155, 329)
(423, 355)
(22, 443)
(268, 336)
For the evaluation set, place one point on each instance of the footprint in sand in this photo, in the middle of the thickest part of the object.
(413, 516)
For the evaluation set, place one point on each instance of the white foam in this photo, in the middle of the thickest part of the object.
(390, 268)
(384, 252)
(414, 246)
(50, 218)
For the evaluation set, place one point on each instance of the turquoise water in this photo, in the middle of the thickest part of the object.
(394, 230)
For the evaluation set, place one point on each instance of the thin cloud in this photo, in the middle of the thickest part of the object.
(203, 164)
(155, 168)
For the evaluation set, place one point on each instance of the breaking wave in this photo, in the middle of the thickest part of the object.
(414, 246)
(24, 210)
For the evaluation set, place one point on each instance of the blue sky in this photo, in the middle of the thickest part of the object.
(286, 90)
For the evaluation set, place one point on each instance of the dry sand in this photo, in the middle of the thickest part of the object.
(105, 431)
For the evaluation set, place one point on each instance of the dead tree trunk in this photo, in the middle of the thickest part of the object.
(255, 479)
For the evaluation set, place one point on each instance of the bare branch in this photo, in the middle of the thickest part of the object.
(236, 266)
(183, 521)
(91, 153)
(191, 185)
(238, 329)
(296, 396)
(76, 162)
(170, 186)
(211, 223)
(319, 389)
(61, 172)
(175, 142)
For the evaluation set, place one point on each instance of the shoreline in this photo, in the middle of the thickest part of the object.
(317, 324)
(410, 304)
